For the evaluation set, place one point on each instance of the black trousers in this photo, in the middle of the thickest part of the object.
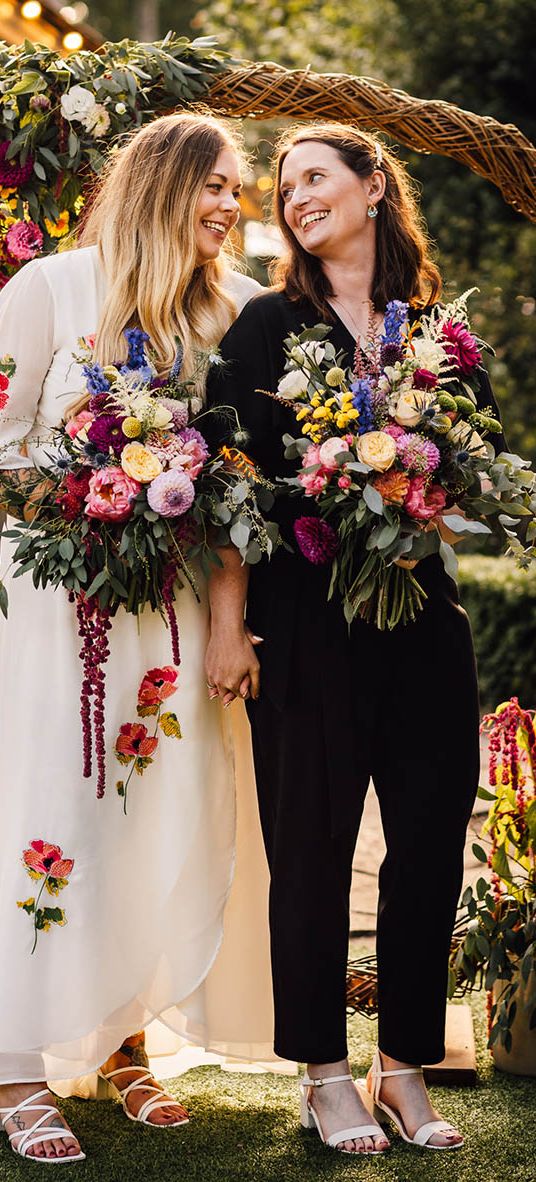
(421, 748)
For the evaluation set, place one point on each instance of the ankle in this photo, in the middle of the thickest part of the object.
(325, 1070)
(389, 1064)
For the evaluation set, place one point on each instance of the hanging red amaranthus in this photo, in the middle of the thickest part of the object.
(94, 624)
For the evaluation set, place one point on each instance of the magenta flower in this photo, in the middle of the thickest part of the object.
(460, 346)
(317, 540)
(171, 493)
(24, 241)
(423, 379)
(12, 172)
(394, 430)
(417, 453)
(424, 501)
(105, 432)
(110, 495)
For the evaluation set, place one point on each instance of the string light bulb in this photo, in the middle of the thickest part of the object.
(31, 11)
(73, 41)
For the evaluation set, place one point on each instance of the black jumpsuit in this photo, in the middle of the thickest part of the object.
(337, 707)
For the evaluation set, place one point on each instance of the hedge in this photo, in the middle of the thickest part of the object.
(500, 600)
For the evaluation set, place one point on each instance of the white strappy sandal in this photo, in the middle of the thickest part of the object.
(39, 1132)
(423, 1134)
(158, 1100)
(310, 1120)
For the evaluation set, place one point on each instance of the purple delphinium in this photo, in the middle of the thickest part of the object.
(317, 540)
(396, 314)
(171, 494)
(362, 401)
(417, 453)
(106, 431)
(97, 383)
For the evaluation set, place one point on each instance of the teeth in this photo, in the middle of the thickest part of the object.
(314, 217)
(215, 226)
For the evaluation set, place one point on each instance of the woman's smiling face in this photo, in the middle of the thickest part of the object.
(218, 208)
(324, 202)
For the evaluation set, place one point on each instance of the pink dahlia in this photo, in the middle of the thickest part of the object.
(317, 540)
(110, 495)
(417, 453)
(171, 493)
(424, 501)
(12, 172)
(460, 346)
(24, 241)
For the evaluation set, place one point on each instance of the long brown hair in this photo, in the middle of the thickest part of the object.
(404, 268)
(143, 222)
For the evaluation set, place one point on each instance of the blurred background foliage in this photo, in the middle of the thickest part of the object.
(479, 54)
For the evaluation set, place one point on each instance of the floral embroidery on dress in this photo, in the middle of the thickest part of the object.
(7, 370)
(45, 864)
(134, 745)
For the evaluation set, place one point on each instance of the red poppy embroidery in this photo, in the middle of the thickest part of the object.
(134, 745)
(45, 863)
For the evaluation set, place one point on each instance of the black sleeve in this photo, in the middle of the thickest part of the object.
(253, 360)
(486, 401)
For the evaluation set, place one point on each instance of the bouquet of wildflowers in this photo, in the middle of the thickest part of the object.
(129, 496)
(388, 446)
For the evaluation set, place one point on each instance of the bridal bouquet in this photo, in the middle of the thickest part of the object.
(388, 447)
(128, 497)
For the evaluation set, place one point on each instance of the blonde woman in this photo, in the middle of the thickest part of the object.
(144, 893)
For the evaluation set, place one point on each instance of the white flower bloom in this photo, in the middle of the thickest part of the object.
(161, 416)
(429, 354)
(196, 405)
(78, 103)
(410, 407)
(97, 122)
(120, 109)
(308, 351)
(292, 385)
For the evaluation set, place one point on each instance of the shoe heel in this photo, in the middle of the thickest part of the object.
(306, 1117)
(103, 1089)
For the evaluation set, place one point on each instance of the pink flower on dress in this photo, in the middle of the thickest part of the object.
(4, 386)
(424, 501)
(134, 741)
(157, 685)
(82, 419)
(44, 858)
(110, 495)
(24, 241)
(460, 346)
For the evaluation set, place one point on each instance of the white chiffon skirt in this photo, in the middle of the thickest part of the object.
(144, 901)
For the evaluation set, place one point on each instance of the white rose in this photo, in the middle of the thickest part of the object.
(428, 354)
(161, 416)
(410, 406)
(463, 436)
(292, 385)
(97, 122)
(77, 103)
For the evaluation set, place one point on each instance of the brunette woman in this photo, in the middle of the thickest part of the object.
(337, 706)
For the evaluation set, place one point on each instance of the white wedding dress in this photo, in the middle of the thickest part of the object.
(145, 898)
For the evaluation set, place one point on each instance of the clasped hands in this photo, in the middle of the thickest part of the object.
(232, 666)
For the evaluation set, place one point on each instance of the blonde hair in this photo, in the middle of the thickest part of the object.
(143, 222)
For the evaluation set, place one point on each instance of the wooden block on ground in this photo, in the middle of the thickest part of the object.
(459, 1064)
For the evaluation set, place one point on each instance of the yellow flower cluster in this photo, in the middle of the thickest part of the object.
(332, 414)
(60, 227)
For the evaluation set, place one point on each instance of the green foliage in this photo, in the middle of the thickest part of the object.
(501, 603)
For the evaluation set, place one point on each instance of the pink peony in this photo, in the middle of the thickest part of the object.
(171, 493)
(424, 501)
(73, 426)
(193, 453)
(460, 346)
(110, 495)
(424, 380)
(328, 450)
(24, 241)
(313, 482)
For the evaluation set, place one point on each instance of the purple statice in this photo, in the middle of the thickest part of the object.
(362, 401)
(97, 383)
(417, 453)
(106, 431)
(317, 540)
(396, 314)
(171, 494)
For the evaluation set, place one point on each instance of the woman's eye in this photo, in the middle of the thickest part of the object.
(214, 185)
(286, 194)
(316, 174)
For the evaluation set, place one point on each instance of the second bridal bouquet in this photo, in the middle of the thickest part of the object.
(389, 446)
(128, 497)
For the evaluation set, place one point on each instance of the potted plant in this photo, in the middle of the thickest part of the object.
(495, 935)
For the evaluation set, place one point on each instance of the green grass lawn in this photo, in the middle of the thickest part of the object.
(246, 1127)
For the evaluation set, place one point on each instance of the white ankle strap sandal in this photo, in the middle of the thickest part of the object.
(309, 1119)
(425, 1131)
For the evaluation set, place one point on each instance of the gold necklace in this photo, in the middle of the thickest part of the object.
(373, 330)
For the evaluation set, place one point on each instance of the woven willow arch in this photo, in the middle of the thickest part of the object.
(499, 152)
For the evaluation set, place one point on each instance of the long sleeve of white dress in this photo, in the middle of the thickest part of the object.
(27, 336)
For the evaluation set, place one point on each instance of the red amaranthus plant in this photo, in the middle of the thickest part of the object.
(499, 915)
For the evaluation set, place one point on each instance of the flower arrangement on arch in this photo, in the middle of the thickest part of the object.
(387, 447)
(129, 498)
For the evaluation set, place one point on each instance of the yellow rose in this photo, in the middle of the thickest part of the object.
(140, 463)
(377, 449)
(410, 407)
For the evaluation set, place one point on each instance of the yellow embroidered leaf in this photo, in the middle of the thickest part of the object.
(144, 711)
(125, 759)
(170, 724)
